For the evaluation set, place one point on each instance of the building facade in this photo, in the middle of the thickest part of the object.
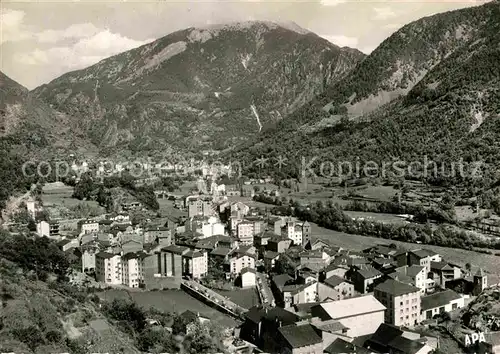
(402, 302)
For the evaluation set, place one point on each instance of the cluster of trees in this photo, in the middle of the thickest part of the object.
(12, 177)
(201, 338)
(90, 189)
(419, 213)
(37, 254)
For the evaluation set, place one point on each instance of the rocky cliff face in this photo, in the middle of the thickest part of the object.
(200, 89)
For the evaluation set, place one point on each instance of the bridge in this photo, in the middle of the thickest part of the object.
(213, 299)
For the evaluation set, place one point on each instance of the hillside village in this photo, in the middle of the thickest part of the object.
(283, 247)
(315, 297)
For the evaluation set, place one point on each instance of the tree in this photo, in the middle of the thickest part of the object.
(203, 339)
(85, 188)
(468, 267)
(180, 325)
(32, 225)
(130, 315)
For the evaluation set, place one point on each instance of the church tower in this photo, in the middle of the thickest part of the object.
(480, 282)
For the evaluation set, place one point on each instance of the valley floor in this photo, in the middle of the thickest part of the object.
(489, 263)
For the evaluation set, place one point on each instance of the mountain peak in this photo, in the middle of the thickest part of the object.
(244, 25)
(9, 86)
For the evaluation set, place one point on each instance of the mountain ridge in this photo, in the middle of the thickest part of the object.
(448, 113)
(198, 89)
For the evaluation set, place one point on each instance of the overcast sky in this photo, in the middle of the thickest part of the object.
(41, 40)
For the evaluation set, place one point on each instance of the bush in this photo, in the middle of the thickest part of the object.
(130, 316)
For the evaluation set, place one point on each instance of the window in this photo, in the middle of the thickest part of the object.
(454, 306)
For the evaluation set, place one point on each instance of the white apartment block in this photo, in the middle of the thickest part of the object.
(108, 268)
(196, 263)
(208, 229)
(293, 231)
(245, 232)
(133, 270)
(88, 227)
(240, 261)
(402, 302)
(43, 229)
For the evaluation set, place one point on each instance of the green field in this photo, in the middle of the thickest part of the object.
(57, 197)
(169, 301)
(379, 217)
(490, 263)
(244, 297)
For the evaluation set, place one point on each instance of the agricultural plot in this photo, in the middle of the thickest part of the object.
(489, 263)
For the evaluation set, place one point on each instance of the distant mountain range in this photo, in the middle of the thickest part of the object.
(200, 88)
(264, 89)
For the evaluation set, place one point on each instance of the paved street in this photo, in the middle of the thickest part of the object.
(264, 289)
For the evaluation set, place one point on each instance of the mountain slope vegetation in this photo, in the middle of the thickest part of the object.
(450, 113)
(200, 88)
(30, 130)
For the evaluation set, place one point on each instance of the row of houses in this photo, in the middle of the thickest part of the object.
(363, 302)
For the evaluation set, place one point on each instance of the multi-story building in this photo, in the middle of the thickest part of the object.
(414, 275)
(239, 260)
(195, 263)
(365, 278)
(89, 251)
(299, 233)
(441, 272)
(160, 234)
(315, 260)
(205, 226)
(108, 268)
(43, 228)
(274, 225)
(292, 231)
(169, 261)
(239, 209)
(198, 205)
(279, 244)
(270, 259)
(88, 226)
(261, 240)
(423, 257)
(245, 232)
(335, 288)
(133, 269)
(295, 294)
(402, 302)
(233, 223)
(248, 277)
(259, 224)
(54, 228)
